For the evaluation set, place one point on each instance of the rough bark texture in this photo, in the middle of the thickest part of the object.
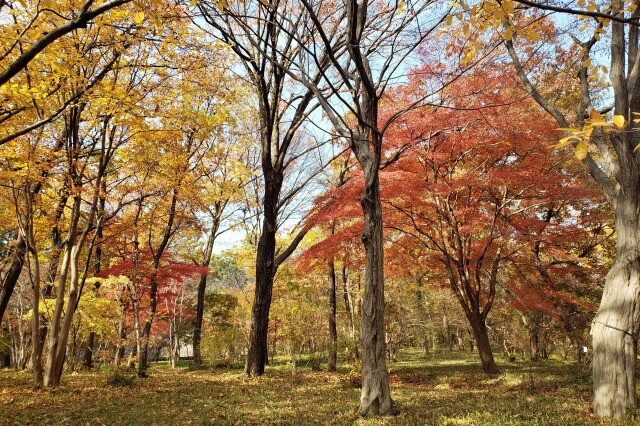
(375, 398)
(12, 274)
(616, 325)
(481, 336)
(333, 331)
(265, 272)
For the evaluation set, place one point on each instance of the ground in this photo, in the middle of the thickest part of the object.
(447, 388)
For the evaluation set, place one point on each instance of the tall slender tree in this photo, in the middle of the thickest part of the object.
(262, 38)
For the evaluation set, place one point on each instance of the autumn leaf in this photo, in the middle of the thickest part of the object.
(619, 121)
(581, 150)
(138, 18)
(595, 115)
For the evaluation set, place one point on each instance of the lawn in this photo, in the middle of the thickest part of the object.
(446, 389)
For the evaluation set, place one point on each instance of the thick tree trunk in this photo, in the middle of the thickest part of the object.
(143, 345)
(617, 324)
(12, 274)
(481, 336)
(375, 398)
(265, 271)
(333, 331)
(544, 343)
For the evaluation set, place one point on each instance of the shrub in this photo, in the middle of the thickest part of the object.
(120, 378)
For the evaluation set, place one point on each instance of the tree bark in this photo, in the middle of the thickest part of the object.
(87, 357)
(197, 325)
(143, 354)
(333, 331)
(481, 336)
(87, 361)
(51, 377)
(12, 274)
(265, 272)
(617, 323)
(375, 397)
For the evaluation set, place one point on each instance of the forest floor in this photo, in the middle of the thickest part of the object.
(445, 389)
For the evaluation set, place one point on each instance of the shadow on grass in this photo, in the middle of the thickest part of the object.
(445, 389)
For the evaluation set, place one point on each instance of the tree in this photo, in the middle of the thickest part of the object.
(478, 202)
(364, 55)
(258, 33)
(608, 152)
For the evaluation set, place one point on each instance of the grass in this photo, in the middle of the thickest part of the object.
(448, 389)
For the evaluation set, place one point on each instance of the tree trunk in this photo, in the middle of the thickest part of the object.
(120, 347)
(12, 274)
(202, 285)
(375, 398)
(257, 352)
(197, 326)
(87, 358)
(617, 323)
(333, 331)
(143, 352)
(71, 305)
(51, 376)
(543, 343)
(481, 336)
(172, 343)
(36, 356)
(131, 363)
(445, 327)
(534, 342)
(348, 304)
(265, 272)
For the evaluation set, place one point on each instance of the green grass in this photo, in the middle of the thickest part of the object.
(447, 389)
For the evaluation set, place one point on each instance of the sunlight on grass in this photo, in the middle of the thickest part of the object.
(448, 389)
